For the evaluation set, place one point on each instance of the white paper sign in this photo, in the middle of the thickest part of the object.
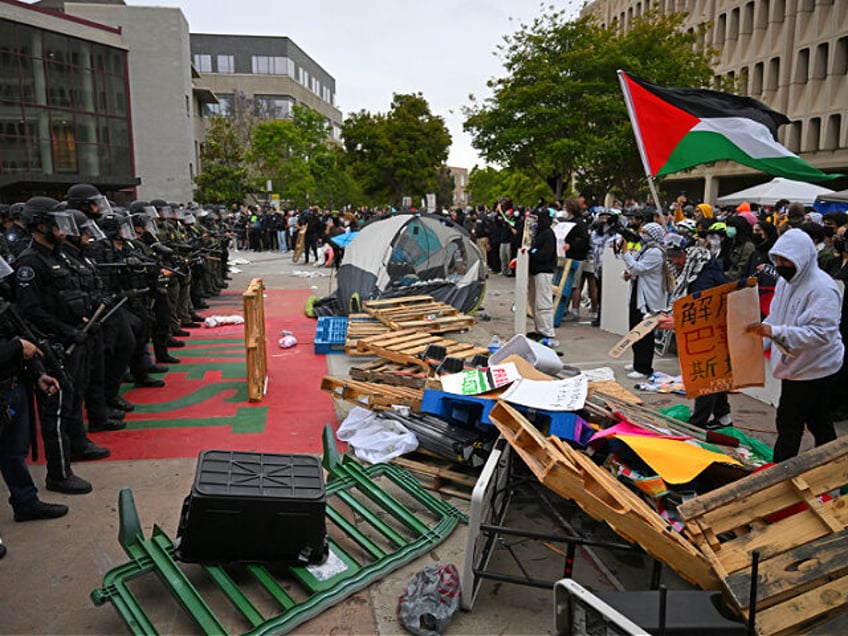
(561, 230)
(474, 381)
(551, 395)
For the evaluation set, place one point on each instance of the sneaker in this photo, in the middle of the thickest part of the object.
(553, 343)
(628, 367)
(570, 316)
(71, 485)
(40, 510)
(635, 375)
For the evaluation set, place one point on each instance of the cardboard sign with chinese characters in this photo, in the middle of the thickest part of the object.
(704, 347)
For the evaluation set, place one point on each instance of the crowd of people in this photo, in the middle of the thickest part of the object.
(798, 257)
(93, 296)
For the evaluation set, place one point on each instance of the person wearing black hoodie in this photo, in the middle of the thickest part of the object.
(696, 270)
(543, 263)
(764, 234)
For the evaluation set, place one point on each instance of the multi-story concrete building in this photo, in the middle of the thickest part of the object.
(460, 185)
(64, 104)
(164, 98)
(790, 54)
(273, 73)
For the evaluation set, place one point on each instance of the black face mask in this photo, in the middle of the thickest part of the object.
(839, 244)
(828, 231)
(758, 239)
(786, 271)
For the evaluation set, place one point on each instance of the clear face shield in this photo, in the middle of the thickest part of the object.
(5, 268)
(165, 212)
(189, 218)
(65, 223)
(93, 231)
(150, 211)
(145, 225)
(100, 205)
(126, 230)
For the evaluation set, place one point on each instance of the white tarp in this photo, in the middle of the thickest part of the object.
(773, 191)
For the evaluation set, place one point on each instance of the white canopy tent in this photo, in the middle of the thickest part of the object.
(773, 191)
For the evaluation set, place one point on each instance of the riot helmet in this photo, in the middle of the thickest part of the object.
(44, 211)
(117, 226)
(87, 198)
(4, 212)
(162, 208)
(142, 222)
(88, 226)
(145, 207)
(15, 210)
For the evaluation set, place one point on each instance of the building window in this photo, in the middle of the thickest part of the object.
(226, 64)
(778, 12)
(742, 82)
(224, 106)
(832, 133)
(773, 76)
(762, 14)
(840, 62)
(813, 132)
(273, 106)
(203, 63)
(793, 136)
(748, 19)
(802, 67)
(721, 29)
(757, 80)
(733, 29)
(820, 62)
(271, 65)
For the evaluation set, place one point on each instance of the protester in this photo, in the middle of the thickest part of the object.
(577, 248)
(695, 270)
(543, 263)
(648, 295)
(837, 267)
(806, 348)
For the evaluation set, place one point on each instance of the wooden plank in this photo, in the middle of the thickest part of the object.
(789, 617)
(778, 537)
(816, 561)
(392, 373)
(774, 497)
(573, 475)
(374, 396)
(820, 457)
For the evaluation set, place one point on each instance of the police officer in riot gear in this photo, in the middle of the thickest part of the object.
(49, 293)
(126, 274)
(142, 215)
(87, 199)
(100, 416)
(17, 235)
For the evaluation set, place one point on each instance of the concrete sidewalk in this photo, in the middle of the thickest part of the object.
(52, 566)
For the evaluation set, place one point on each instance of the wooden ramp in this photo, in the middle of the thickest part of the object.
(785, 512)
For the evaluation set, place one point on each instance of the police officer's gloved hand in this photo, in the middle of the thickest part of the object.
(78, 337)
(134, 263)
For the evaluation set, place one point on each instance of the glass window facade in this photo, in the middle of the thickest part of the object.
(203, 63)
(273, 106)
(64, 105)
(226, 64)
(271, 65)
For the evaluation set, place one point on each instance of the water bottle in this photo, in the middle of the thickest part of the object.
(495, 344)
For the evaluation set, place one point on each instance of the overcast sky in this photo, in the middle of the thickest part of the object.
(374, 48)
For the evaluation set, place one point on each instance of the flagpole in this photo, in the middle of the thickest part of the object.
(628, 101)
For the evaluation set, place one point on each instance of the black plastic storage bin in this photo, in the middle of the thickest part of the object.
(247, 506)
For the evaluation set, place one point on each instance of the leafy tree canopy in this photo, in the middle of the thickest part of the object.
(489, 183)
(397, 153)
(225, 177)
(559, 113)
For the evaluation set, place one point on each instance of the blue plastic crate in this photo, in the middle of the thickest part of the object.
(330, 335)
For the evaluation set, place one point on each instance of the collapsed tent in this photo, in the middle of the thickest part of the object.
(408, 254)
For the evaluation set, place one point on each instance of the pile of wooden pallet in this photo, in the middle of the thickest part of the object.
(418, 312)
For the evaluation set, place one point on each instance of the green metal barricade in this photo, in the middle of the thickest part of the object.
(385, 531)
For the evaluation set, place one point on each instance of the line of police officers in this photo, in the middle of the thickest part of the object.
(85, 287)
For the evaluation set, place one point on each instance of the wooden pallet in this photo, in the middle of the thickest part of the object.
(438, 474)
(803, 569)
(388, 372)
(573, 475)
(362, 326)
(371, 395)
(418, 312)
(406, 346)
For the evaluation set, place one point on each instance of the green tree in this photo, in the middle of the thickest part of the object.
(295, 154)
(224, 176)
(397, 153)
(487, 184)
(559, 113)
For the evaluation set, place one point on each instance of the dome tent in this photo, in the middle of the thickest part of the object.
(409, 254)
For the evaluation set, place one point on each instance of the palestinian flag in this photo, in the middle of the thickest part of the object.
(678, 128)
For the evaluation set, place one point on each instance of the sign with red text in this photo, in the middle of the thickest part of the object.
(701, 323)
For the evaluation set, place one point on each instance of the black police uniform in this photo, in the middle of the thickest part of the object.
(49, 294)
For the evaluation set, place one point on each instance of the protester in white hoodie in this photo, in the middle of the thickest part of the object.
(806, 346)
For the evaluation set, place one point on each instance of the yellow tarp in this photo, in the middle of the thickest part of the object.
(677, 462)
